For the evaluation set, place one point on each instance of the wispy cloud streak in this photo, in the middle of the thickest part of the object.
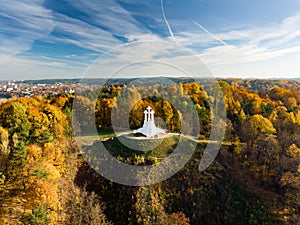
(167, 22)
(98, 26)
(21, 24)
(211, 34)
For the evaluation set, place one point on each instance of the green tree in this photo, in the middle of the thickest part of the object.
(4, 148)
(37, 217)
(14, 117)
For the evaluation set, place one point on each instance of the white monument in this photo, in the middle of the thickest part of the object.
(149, 129)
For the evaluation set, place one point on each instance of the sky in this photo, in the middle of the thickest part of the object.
(44, 39)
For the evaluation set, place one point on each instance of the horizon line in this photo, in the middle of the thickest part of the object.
(149, 77)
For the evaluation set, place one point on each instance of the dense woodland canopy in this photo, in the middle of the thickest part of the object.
(254, 180)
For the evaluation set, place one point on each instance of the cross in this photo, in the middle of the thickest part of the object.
(152, 115)
(148, 113)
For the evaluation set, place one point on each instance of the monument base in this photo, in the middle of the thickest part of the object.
(149, 129)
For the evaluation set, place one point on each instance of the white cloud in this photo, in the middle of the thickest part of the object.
(247, 45)
(232, 54)
(25, 21)
(278, 34)
(82, 34)
(109, 14)
(21, 68)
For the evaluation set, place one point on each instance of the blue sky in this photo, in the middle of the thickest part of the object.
(232, 38)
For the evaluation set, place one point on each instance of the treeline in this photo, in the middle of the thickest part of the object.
(266, 121)
(250, 84)
(123, 107)
(38, 167)
(42, 180)
(263, 84)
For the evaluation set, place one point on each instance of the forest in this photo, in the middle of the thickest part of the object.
(44, 179)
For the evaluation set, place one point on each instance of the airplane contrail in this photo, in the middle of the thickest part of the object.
(211, 34)
(166, 21)
(19, 20)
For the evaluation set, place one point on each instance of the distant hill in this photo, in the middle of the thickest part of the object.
(250, 84)
(296, 79)
(264, 84)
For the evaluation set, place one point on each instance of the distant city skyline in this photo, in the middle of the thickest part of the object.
(50, 39)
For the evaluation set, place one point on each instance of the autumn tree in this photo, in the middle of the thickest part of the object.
(4, 148)
(253, 127)
(148, 210)
(15, 119)
(83, 112)
(265, 160)
(126, 101)
(32, 169)
(85, 208)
